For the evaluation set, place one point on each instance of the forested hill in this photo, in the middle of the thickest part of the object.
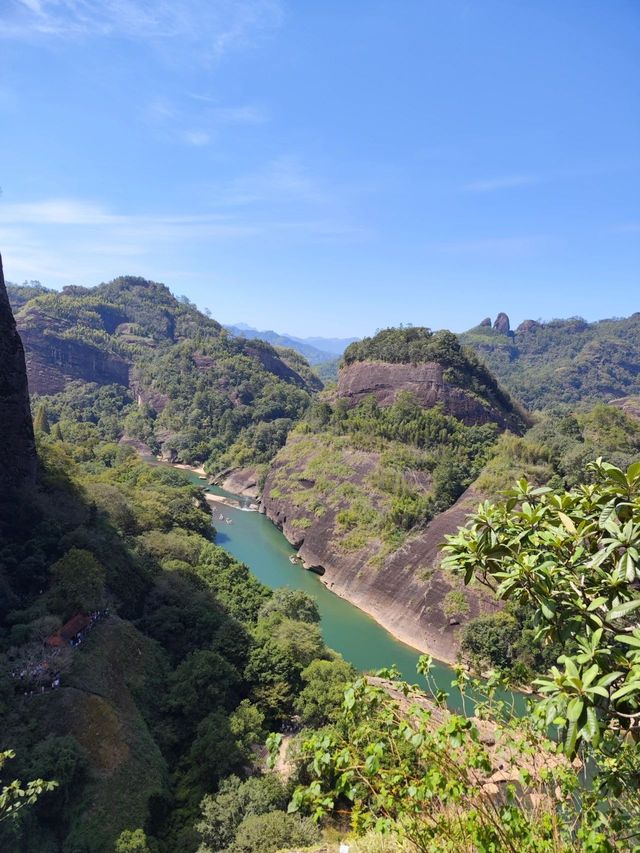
(563, 361)
(128, 357)
(434, 367)
(364, 484)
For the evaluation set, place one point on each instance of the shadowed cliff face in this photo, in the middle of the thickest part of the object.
(17, 445)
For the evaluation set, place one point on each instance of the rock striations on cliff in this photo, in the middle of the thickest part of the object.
(370, 485)
(197, 389)
(18, 461)
(435, 368)
(427, 382)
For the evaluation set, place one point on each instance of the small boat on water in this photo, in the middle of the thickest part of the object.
(294, 559)
(201, 477)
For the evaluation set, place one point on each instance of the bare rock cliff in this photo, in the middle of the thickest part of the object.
(407, 591)
(18, 461)
(426, 381)
(53, 360)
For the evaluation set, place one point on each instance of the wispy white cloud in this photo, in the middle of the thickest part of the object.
(216, 26)
(244, 114)
(58, 239)
(500, 247)
(627, 228)
(83, 214)
(203, 124)
(506, 182)
(197, 138)
(284, 180)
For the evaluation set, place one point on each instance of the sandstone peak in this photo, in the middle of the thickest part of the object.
(502, 324)
(527, 326)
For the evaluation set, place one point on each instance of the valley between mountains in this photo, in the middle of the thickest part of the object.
(367, 475)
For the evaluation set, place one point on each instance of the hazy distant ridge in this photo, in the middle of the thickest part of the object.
(315, 349)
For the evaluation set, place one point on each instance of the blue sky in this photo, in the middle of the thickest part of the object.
(328, 167)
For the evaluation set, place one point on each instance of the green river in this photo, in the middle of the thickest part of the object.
(254, 540)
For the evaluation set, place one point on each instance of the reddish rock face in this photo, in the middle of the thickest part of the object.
(527, 326)
(426, 381)
(502, 324)
(629, 405)
(18, 459)
(405, 594)
(53, 361)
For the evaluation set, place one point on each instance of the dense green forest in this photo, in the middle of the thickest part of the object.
(190, 663)
(564, 361)
(184, 384)
(149, 734)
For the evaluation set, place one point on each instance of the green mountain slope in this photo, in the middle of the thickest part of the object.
(563, 361)
(365, 485)
(184, 385)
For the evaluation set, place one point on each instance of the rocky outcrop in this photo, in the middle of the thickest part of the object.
(427, 382)
(629, 405)
(54, 360)
(18, 461)
(407, 593)
(502, 324)
(527, 326)
(486, 323)
(242, 481)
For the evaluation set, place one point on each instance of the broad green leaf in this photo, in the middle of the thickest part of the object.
(626, 690)
(590, 674)
(633, 472)
(629, 639)
(623, 609)
(575, 708)
(592, 727)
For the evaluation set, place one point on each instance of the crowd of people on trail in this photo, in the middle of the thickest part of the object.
(45, 674)
(292, 726)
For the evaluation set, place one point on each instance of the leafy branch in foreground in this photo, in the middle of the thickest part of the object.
(401, 764)
(574, 556)
(15, 796)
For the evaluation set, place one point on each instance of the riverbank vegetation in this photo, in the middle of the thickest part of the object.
(167, 694)
(383, 471)
(432, 780)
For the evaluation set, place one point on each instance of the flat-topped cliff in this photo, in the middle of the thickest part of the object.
(380, 471)
(435, 368)
(426, 382)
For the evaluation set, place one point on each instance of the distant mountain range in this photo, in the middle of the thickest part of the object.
(565, 361)
(316, 350)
